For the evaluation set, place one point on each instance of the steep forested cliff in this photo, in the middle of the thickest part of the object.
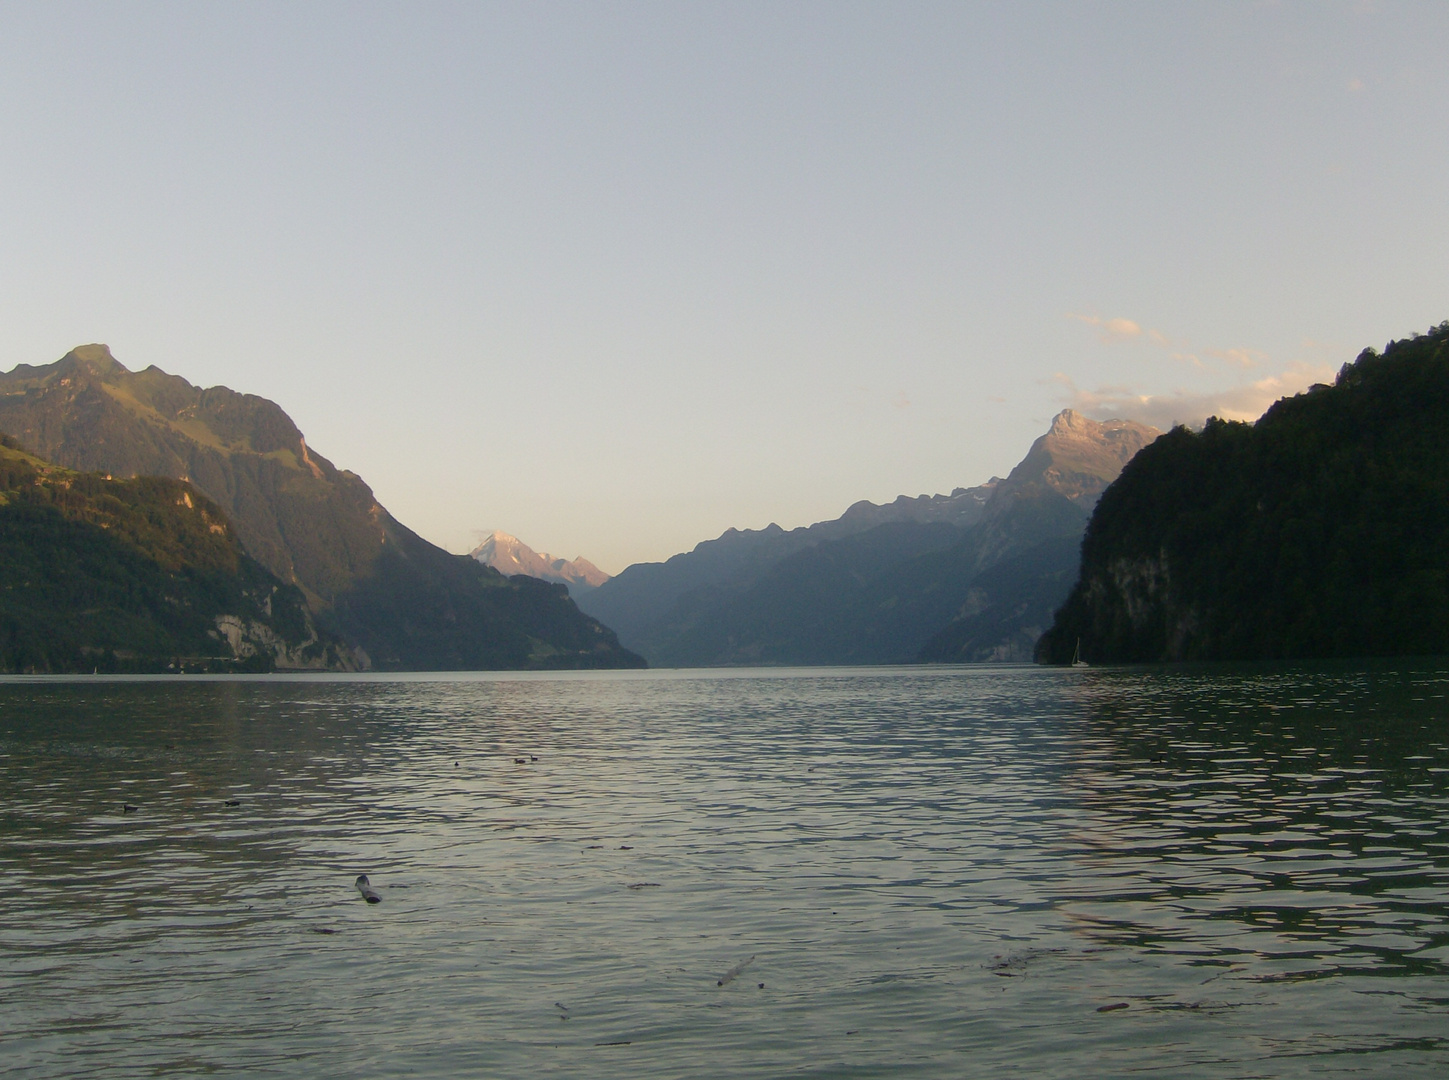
(1322, 530)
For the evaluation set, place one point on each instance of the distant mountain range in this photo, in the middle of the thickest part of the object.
(397, 601)
(970, 576)
(142, 575)
(510, 556)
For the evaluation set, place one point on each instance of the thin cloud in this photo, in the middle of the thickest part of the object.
(1243, 358)
(1120, 329)
(1246, 402)
(1115, 329)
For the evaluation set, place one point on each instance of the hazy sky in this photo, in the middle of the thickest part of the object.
(614, 276)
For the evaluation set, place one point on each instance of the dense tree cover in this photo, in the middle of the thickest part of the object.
(130, 576)
(1319, 531)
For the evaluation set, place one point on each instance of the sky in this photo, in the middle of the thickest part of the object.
(614, 277)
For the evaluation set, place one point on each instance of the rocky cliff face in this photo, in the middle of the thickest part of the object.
(510, 556)
(403, 602)
(1077, 458)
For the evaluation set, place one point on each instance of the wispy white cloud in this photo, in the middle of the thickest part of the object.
(1114, 329)
(1243, 358)
(1117, 330)
(1247, 401)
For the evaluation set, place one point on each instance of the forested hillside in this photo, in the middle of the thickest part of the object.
(1319, 531)
(136, 575)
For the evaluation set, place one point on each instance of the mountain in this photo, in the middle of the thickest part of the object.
(510, 556)
(137, 575)
(1005, 610)
(638, 602)
(1318, 531)
(397, 600)
(880, 583)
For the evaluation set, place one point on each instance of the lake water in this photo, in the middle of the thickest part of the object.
(1220, 872)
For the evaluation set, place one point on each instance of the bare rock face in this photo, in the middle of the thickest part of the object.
(1078, 457)
(510, 556)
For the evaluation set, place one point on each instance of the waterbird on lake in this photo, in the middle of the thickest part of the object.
(365, 888)
(127, 808)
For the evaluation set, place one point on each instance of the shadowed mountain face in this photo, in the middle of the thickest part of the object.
(399, 599)
(640, 602)
(137, 575)
(973, 576)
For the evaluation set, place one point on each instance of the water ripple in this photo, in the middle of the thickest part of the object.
(939, 872)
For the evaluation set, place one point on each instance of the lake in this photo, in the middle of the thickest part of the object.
(907, 872)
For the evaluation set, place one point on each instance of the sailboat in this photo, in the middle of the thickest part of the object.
(1077, 660)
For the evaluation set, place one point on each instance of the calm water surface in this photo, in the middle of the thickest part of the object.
(937, 872)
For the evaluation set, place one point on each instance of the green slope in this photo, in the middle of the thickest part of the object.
(136, 575)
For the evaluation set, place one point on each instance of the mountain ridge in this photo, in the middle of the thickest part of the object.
(880, 581)
(405, 603)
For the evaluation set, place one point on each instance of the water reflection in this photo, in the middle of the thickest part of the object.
(1281, 826)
